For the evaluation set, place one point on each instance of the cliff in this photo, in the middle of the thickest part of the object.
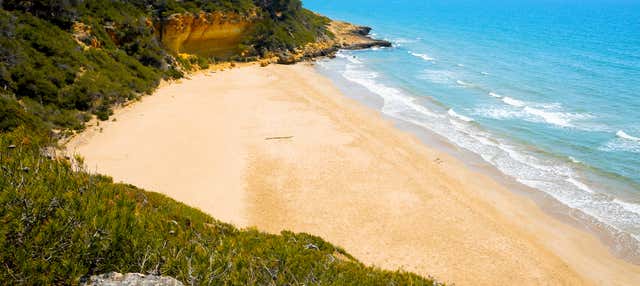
(205, 34)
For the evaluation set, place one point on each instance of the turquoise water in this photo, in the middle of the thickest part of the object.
(548, 92)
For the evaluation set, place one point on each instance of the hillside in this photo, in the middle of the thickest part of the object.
(60, 224)
(63, 61)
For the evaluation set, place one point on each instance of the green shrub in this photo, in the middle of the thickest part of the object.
(294, 28)
(13, 115)
(203, 62)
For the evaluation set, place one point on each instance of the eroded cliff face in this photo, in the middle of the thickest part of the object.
(205, 34)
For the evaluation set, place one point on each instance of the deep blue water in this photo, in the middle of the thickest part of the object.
(548, 92)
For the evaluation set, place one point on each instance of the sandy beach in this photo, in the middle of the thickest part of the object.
(280, 148)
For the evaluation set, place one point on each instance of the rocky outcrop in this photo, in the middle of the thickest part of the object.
(346, 36)
(352, 37)
(205, 34)
(130, 279)
(82, 34)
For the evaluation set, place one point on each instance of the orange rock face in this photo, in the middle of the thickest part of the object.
(205, 34)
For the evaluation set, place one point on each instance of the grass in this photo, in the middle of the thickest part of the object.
(58, 225)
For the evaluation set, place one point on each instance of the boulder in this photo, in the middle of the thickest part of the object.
(129, 279)
(286, 59)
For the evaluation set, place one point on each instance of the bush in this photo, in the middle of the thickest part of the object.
(13, 115)
(44, 66)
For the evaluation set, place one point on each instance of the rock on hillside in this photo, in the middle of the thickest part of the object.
(130, 279)
(205, 34)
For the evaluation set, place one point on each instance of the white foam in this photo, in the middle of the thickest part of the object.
(624, 135)
(631, 207)
(422, 56)
(559, 119)
(513, 102)
(580, 185)
(394, 99)
(621, 145)
(403, 41)
(460, 65)
(499, 113)
(459, 116)
(463, 83)
(484, 73)
(400, 42)
(484, 140)
(436, 76)
(533, 112)
(555, 118)
(352, 59)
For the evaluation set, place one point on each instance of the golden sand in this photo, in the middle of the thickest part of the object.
(281, 148)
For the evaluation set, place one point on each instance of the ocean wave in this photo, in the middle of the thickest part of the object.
(394, 99)
(403, 41)
(513, 102)
(498, 113)
(460, 65)
(484, 73)
(459, 116)
(631, 207)
(436, 76)
(624, 135)
(422, 56)
(519, 103)
(555, 118)
(580, 185)
(550, 113)
(400, 42)
(621, 145)
(351, 58)
(531, 114)
(463, 83)
(535, 167)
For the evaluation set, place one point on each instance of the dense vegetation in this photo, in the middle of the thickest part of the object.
(58, 225)
(64, 60)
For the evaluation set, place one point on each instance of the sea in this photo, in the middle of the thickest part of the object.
(547, 93)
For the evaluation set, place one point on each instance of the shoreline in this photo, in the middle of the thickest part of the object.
(476, 232)
(622, 246)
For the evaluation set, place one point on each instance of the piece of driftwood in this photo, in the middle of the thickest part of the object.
(278, 138)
